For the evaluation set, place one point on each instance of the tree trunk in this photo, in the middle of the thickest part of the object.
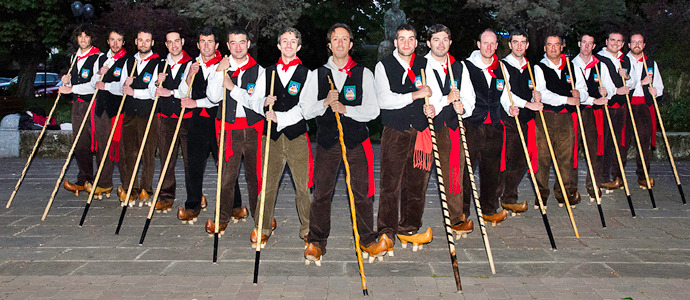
(26, 77)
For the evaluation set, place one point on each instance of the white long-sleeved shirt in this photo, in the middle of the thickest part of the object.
(141, 94)
(637, 66)
(205, 71)
(242, 96)
(89, 87)
(551, 98)
(579, 66)
(607, 81)
(176, 68)
(476, 59)
(114, 87)
(313, 107)
(518, 64)
(388, 99)
(437, 99)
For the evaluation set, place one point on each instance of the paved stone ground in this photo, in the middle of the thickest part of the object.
(647, 257)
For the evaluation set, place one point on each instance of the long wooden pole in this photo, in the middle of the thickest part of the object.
(554, 161)
(166, 164)
(219, 176)
(663, 133)
(107, 148)
(262, 202)
(38, 141)
(639, 145)
(542, 209)
(618, 152)
(584, 142)
(351, 197)
(71, 151)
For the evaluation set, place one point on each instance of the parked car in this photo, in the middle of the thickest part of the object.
(50, 92)
(42, 80)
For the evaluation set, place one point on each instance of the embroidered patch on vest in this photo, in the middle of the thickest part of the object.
(530, 84)
(568, 79)
(293, 87)
(147, 77)
(418, 82)
(85, 73)
(350, 92)
(650, 71)
(455, 84)
(596, 78)
(117, 72)
(250, 88)
(500, 84)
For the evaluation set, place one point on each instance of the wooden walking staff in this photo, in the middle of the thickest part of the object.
(351, 197)
(477, 205)
(618, 153)
(107, 148)
(219, 177)
(262, 201)
(71, 151)
(553, 160)
(639, 145)
(663, 132)
(165, 166)
(584, 142)
(542, 209)
(38, 141)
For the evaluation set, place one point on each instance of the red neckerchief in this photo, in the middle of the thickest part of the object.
(620, 56)
(563, 58)
(449, 62)
(643, 58)
(185, 58)
(119, 54)
(246, 66)
(592, 63)
(93, 51)
(214, 60)
(350, 63)
(293, 62)
(155, 55)
(525, 65)
(493, 66)
(410, 73)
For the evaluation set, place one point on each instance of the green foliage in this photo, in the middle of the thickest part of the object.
(675, 107)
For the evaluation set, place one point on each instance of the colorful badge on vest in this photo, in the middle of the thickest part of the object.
(117, 72)
(293, 87)
(568, 79)
(147, 77)
(530, 84)
(596, 78)
(455, 83)
(418, 82)
(650, 71)
(85, 73)
(250, 88)
(500, 84)
(350, 92)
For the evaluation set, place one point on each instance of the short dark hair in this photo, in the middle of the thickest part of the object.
(206, 31)
(479, 37)
(336, 26)
(117, 30)
(608, 35)
(145, 30)
(83, 28)
(407, 27)
(434, 29)
(517, 32)
(584, 34)
(238, 30)
(640, 34)
(546, 38)
(172, 31)
(293, 30)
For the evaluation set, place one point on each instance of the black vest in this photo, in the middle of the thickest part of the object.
(411, 115)
(649, 100)
(447, 116)
(354, 133)
(105, 99)
(488, 97)
(559, 86)
(592, 83)
(288, 97)
(521, 85)
(84, 75)
(171, 105)
(141, 107)
(248, 83)
(199, 85)
(615, 77)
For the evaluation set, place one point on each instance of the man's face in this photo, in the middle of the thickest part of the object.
(207, 45)
(406, 42)
(636, 44)
(84, 41)
(439, 44)
(115, 41)
(518, 45)
(586, 45)
(144, 42)
(238, 44)
(553, 47)
(614, 43)
(487, 44)
(340, 43)
(289, 44)
(174, 43)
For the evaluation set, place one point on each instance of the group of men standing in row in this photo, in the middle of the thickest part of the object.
(474, 91)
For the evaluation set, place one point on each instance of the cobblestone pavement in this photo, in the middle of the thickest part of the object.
(647, 257)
